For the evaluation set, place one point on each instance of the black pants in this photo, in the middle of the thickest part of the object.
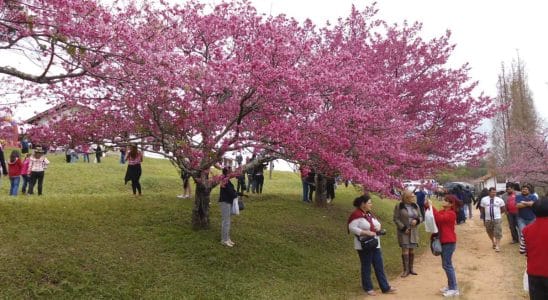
(133, 174)
(36, 177)
(98, 156)
(259, 183)
(538, 287)
(513, 225)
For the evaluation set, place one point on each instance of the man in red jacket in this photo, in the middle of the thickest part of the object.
(536, 243)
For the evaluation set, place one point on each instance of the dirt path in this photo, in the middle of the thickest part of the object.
(481, 272)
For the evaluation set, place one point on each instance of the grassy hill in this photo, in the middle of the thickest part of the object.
(88, 237)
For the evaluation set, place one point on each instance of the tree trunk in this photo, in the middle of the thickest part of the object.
(200, 212)
(321, 190)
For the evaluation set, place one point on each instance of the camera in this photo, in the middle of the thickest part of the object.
(381, 232)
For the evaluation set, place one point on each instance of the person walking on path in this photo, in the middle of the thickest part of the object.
(134, 159)
(407, 217)
(524, 202)
(362, 223)
(493, 208)
(37, 167)
(468, 200)
(14, 165)
(445, 221)
(226, 198)
(509, 198)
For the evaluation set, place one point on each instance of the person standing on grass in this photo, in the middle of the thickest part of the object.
(445, 221)
(185, 177)
(14, 165)
(407, 216)
(85, 152)
(227, 197)
(363, 223)
(37, 167)
(134, 159)
(25, 173)
(98, 153)
(3, 167)
(421, 198)
(493, 207)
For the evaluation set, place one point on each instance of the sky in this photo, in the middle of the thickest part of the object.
(486, 32)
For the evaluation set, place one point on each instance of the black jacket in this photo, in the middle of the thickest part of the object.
(228, 193)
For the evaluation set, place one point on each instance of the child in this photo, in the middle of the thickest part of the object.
(14, 171)
(25, 173)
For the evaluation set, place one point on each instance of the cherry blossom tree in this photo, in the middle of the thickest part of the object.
(388, 107)
(370, 101)
(530, 162)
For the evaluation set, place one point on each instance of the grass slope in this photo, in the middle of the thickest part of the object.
(88, 237)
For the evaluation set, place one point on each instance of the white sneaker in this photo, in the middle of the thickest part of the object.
(451, 293)
(228, 244)
(181, 196)
(444, 289)
(231, 242)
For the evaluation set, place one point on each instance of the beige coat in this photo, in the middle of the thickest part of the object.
(401, 219)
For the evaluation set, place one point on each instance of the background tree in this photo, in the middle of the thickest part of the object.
(519, 114)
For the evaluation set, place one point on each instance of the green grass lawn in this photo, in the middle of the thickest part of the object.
(88, 237)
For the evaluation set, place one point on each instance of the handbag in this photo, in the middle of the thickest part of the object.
(368, 243)
(235, 207)
(435, 245)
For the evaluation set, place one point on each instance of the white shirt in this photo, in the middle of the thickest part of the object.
(38, 164)
(359, 225)
(497, 204)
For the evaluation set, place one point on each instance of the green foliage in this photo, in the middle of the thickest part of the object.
(88, 237)
(463, 173)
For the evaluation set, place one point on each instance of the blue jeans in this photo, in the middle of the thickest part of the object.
(368, 258)
(446, 256)
(14, 185)
(305, 190)
(522, 223)
(26, 181)
(86, 157)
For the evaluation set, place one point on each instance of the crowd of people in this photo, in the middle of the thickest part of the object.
(527, 218)
(527, 215)
(26, 167)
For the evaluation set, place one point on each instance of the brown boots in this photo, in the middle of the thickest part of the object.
(411, 260)
(407, 261)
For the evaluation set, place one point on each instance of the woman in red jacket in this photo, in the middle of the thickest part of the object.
(14, 166)
(445, 220)
(535, 236)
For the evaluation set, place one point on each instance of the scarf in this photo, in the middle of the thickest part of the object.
(358, 213)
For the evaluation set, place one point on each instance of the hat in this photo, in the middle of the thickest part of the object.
(38, 150)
